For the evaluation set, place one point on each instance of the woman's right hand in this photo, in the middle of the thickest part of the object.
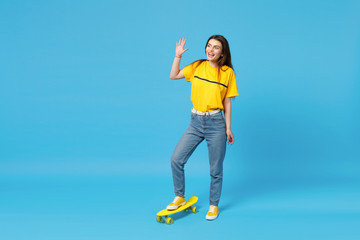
(180, 47)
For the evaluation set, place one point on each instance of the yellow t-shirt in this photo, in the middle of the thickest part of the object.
(210, 86)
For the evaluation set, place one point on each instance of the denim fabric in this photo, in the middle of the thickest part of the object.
(211, 128)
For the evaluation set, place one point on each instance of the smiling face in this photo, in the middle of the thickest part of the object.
(214, 50)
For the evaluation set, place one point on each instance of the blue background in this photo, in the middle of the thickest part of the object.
(89, 119)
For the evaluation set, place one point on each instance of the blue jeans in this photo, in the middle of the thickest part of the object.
(212, 128)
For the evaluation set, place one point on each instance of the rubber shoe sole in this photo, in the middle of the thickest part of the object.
(171, 208)
(210, 218)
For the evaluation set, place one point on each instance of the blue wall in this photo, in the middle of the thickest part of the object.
(85, 88)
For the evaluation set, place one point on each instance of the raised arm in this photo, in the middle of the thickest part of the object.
(176, 73)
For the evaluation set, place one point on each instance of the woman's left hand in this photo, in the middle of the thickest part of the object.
(230, 136)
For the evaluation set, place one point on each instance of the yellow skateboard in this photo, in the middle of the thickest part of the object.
(162, 216)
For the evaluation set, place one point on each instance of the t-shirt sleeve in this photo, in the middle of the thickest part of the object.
(232, 87)
(189, 72)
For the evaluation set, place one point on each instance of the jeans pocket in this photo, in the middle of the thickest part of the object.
(217, 118)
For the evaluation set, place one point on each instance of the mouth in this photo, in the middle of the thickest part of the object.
(211, 55)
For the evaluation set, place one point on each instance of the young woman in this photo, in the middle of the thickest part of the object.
(213, 85)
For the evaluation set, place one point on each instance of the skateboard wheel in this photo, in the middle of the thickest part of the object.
(195, 209)
(159, 219)
(169, 220)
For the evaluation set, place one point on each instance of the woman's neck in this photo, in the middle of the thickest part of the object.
(213, 64)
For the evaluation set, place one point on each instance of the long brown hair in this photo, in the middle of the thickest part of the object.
(224, 60)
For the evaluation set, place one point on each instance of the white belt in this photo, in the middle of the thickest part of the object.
(193, 110)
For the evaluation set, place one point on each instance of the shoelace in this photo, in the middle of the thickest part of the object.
(176, 198)
(212, 209)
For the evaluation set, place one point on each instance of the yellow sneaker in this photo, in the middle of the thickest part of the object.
(212, 213)
(178, 202)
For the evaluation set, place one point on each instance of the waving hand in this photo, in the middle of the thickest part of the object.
(180, 47)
